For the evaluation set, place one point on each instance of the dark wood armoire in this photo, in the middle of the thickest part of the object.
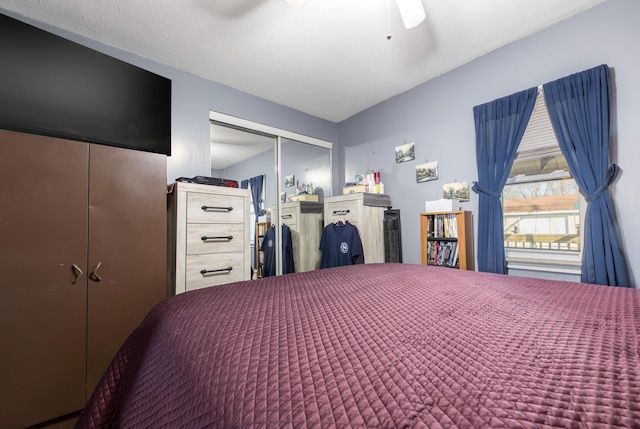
(82, 261)
(84, 139)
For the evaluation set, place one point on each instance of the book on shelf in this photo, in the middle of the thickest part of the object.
(442, 226)
(444, 253)
(454, 263)
(432, 226)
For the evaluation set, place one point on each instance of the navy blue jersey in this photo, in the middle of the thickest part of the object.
(340, 244)
(269, 250)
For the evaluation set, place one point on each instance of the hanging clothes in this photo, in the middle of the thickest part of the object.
(269, 251)
(340, 245)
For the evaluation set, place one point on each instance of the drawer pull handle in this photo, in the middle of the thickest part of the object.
(341, 212)
(94, 274)
(287, 216)
(218, 237)
(207, 208)
(205, 272)
(77, 273)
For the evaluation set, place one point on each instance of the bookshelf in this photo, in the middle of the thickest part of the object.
(261, 230)
(446, 239)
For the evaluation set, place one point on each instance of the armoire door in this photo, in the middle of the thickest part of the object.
(43, 277)
(127, 248)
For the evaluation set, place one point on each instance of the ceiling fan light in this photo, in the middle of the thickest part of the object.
(411, 11)
(296, 2)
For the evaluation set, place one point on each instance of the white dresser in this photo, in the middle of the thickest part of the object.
(304, 218)
(366, 212)
(209, 240)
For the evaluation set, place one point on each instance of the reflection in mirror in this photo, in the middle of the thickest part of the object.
(305, 181)
(239, 154)
(309, 167)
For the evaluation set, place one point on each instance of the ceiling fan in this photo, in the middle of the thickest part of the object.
(411, 11)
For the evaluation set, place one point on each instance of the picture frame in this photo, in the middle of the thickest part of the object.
(289, 180)
(427, 172)
(456, 191)
(405, 152)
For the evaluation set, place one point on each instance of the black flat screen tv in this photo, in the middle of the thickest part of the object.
(53, 86)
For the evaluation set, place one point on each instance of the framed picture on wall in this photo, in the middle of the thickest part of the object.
(405, 152)
(289, 180)
(456, 191)
(427, 172)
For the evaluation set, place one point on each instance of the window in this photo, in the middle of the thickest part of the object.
(543, 208)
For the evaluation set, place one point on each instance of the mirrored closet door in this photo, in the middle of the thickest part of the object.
(295, 174)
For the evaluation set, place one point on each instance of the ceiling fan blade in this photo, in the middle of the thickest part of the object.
(296, 2)
(411, 11)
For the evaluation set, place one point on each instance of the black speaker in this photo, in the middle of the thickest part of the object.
(55, 87)
(392, 236)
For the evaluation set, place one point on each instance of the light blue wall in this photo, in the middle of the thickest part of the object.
(438, 115)
(193, 97)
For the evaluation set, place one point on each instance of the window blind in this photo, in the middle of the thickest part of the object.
(539, 138)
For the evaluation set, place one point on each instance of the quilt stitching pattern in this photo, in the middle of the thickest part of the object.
(380, 346)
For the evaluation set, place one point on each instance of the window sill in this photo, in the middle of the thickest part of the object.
(545, 265)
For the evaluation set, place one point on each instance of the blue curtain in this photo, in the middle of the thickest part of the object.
(256, 194)
(500, 125)
(579, 110)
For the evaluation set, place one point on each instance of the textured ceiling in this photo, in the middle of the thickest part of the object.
(328, 58)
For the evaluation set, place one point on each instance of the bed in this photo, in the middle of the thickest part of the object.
(380, 346)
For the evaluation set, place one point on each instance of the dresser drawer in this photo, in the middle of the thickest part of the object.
(196, 279)
(347, 210)
(214, 238)
(289, 215)
(211, 208)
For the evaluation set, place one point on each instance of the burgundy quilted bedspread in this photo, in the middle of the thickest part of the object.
(380, 345)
